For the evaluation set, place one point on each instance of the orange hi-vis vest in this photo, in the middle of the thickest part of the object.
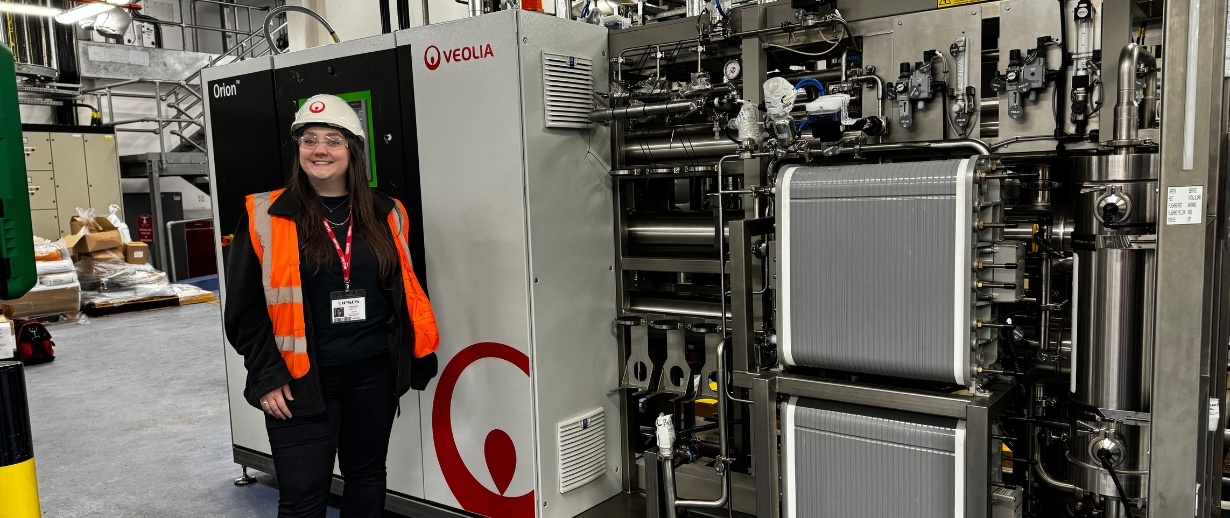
(276, 241)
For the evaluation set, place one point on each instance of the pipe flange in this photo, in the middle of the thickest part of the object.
(667, 325)
(1109, 445)
(629, 321)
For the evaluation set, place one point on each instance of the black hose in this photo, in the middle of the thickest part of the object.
(1013, 360)
(1104, 455)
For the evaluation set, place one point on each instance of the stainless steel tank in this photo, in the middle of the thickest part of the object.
(32, 40)
(1114, 270)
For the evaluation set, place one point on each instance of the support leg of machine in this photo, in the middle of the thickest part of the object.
(764, 439)
(245, 478)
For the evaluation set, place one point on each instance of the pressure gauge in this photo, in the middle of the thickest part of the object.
(732, 69)
(1012, 75)
(1082, 13)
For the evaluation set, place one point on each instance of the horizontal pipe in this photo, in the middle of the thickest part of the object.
(646, 151)
(675, 306)
(679, 229)
(643, 110)
(973, 145)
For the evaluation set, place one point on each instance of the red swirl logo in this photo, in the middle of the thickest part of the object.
(431, 57)
(316, 107)
(498, 448)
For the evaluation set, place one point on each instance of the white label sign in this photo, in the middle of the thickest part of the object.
(1184, 205)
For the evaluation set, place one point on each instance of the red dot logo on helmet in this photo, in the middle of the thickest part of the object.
(499, 449)
(316, 107)
(431, 57)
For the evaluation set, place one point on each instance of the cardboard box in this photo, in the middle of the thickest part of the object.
(114, 254)
(102, 235)
(8, 341)
(44, 301)
(136, 253)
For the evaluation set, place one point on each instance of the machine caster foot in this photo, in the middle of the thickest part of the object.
(245, 479)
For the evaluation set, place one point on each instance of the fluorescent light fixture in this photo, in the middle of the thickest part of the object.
(33, 10)
(82, 12)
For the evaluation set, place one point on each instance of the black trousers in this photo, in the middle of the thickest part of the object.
(355, 427)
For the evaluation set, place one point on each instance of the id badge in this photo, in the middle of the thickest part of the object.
(348, 306)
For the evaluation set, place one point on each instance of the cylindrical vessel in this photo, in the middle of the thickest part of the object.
(664, 149)
(1114, 313)
(19, 499)
(677, 229)
(32, 41)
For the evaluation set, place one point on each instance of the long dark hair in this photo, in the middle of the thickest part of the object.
(369, 225)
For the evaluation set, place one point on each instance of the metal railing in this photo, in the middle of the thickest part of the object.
(177, 103)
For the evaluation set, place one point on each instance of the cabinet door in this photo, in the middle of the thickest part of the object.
(42, 189)
(38, 150)
(102, 167)
(46, 224)
(68, 160)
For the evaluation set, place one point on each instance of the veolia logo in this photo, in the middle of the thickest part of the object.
(221, 91)
(433, 55)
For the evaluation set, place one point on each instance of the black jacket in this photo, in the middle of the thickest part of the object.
(250, 330)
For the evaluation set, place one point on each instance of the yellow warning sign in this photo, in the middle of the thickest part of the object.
(954, 3)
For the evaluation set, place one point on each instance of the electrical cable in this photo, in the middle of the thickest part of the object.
(802, 53)
(1104, 456)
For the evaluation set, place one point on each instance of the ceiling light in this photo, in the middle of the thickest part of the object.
(34, 10)
(82, 12)
(113, 23)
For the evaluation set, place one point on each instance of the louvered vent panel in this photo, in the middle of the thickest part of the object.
(582, 449)
(569, 90)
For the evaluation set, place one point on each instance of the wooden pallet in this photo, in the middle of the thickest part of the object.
(112, 308)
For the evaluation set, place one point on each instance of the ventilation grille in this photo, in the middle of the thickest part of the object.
(569, 90)
(582, 449)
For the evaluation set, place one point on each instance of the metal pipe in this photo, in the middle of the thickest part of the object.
(665, 149)
(1131, 59)
(563, 9)
(671, 229)
(975, 145)
(879, 89)
(674, 306)
(644, 110)
(722, 462)
(668, 485)
(1045, 477)
(286, 8)
(476, 7)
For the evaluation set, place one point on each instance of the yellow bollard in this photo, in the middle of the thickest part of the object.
(19, 499)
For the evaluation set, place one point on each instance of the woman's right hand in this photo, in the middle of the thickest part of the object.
(274, 403)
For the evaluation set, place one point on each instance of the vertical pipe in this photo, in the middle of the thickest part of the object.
(20, 496)
(563, 9)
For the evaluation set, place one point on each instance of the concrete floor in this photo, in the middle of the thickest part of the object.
(131, 420)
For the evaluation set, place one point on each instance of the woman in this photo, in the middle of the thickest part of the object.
(323, 304)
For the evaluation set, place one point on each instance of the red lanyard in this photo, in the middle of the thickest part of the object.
(344, 256)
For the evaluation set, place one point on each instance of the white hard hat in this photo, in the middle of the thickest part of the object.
(329, 110)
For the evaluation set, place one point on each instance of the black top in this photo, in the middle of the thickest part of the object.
(339, 344)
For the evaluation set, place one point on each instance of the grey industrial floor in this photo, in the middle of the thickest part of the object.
(131, 420)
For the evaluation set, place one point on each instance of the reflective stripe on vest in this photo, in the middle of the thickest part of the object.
(422, 318)
(283, 289)
(276, 241)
